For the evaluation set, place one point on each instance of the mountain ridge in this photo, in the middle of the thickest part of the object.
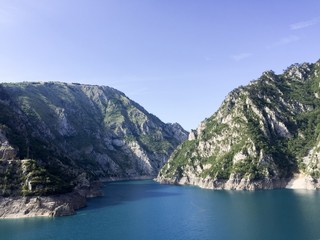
(56, 138)
(263, 135)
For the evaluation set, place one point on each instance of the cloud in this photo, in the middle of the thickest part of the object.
(284, 41)
(304, 24)
(241, 56)
(288, 40)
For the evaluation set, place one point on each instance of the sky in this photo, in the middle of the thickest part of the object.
(177, 58)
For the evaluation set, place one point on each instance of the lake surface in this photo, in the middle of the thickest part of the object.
(148, 210)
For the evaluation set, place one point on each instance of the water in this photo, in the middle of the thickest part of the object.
(148, 210)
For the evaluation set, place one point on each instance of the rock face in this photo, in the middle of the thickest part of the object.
(262, 136)
(50, 206)
(58, 137)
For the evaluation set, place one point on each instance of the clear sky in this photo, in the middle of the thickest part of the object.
(177, 58)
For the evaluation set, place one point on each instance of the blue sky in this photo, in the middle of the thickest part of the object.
(177, 58)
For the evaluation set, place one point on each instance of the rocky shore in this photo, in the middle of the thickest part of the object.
(47, 206)
(299, 181)
(56, 205)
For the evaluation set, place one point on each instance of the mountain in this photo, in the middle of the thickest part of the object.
(57, 137)
(264, 135)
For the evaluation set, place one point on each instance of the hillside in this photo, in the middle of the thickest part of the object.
(57, 137)
(264, 135)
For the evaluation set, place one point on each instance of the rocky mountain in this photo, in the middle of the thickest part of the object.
(264, 135)
(57, 137)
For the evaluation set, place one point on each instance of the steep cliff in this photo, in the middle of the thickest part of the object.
(57, 137)
(263, 136)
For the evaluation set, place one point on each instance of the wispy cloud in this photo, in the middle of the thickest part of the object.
(241, 56)
(287, 40)
(284, 41)
(304, 24)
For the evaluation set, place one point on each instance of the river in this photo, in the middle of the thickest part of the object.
(146, 210)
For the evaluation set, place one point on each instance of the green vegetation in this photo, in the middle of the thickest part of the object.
(212, 128)
(38, 181)
(181, 158)
(26, 177)
(248, 168)
(154, 144)
(10, 178)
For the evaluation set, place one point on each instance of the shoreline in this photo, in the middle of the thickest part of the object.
(41, 206)
(66, 204)
(301, 181)
(298, 181)
(118, 179)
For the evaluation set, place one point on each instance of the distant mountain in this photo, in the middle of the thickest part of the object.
(264, 135)
(57, 137)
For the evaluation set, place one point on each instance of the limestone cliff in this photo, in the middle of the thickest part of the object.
(263, 135)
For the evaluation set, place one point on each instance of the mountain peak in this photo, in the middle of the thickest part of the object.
(298, 72)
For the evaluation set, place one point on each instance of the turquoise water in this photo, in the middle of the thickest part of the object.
(148, 210)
